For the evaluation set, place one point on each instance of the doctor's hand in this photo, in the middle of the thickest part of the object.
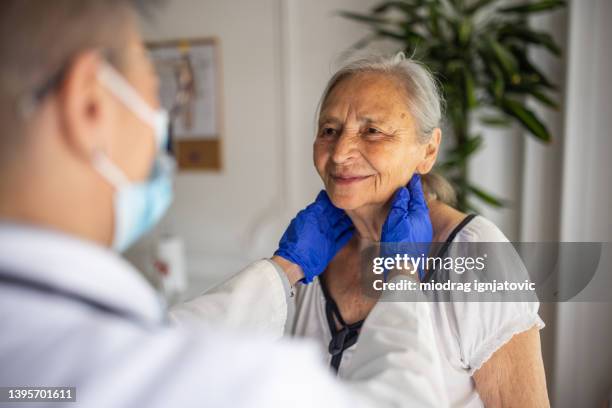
(315, 236)
(408, 222)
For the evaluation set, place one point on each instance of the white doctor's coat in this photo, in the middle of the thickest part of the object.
(75, 314)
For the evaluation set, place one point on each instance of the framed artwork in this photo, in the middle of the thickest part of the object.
(190, 87)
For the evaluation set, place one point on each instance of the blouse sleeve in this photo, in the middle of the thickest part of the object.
(482, 327)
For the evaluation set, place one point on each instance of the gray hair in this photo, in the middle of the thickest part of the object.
(424, 103)
(424, 97)
(38, 40)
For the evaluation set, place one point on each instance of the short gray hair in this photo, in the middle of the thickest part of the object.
(38, 39)
(425, 104)
(424, 96)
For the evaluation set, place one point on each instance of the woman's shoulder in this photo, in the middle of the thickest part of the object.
(479, 229)
(452, 225)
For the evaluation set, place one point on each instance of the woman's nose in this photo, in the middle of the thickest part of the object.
(345, 149)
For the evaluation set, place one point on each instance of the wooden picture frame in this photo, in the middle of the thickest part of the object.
(196, 130)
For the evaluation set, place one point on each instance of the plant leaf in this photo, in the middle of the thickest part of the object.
(495, 121)
(543, 98)
(526, 118)
(470, 92)
(460, 153)
(471, 145)
(434, 24)
(533, 75)
(486, 197)
(412, 36)
(478, 6)
(537, 38)
(389, 5)
(504, 56)
(464, 31)
(404, 37)
(525, 8)
(498, 85)
(364, 18)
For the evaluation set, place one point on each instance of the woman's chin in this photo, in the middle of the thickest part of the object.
(346, 202)
(350, 194)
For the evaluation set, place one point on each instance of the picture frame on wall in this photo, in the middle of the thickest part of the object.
(189, 69)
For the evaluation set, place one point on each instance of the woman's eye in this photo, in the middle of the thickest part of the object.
(373, 131)
(328, 131)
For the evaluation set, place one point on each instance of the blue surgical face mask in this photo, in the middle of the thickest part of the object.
(138, 206)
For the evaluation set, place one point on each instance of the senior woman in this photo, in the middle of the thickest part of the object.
(379, 125)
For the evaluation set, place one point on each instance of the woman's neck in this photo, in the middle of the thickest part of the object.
(444, 219)
(368, 221)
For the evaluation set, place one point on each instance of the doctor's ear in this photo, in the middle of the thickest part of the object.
(84, 106)
(432, 147)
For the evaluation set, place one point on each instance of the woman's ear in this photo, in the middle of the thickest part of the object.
(432, 148)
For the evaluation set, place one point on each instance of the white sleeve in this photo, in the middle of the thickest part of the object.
(482, 327)
(197, 367)
(255, 299)
(396, 361)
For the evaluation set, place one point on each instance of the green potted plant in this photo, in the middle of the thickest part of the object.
(478, 51)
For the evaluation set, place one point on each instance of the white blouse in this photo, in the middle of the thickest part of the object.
(467, 333)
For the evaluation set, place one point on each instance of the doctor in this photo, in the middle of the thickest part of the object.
(82, 176)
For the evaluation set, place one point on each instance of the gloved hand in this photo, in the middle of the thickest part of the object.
(315, 236)
(408, 223)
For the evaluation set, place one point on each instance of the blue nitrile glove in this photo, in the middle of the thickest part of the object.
(315, 236)
(408, 223)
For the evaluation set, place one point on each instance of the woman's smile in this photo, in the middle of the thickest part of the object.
(348, 179)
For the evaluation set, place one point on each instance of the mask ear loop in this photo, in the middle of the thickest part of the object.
(157, 119)
(100, 159)
(127, 94)
(109, 170)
